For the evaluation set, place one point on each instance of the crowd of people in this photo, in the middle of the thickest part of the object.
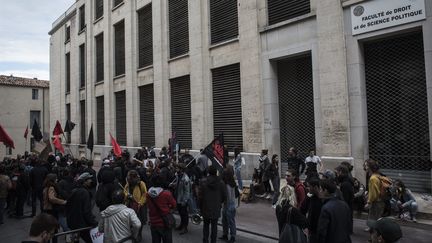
(131, 192)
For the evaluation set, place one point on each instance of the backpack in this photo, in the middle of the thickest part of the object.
(385, 186)
(246, 195)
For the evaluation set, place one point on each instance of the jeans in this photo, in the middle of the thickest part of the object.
(276, 187)
(206, 232)
(19, 210)
(161, 235)
(184, 215)
(228, 221)
(37, 193)
(239, 179)
(192, 205)
(62, 222)
(411, 207)
(2, 208)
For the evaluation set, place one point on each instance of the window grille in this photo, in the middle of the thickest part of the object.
(181, 121)
(99, 4)
(145, 36)
(121, 117)
(223, 20)
(99, 57)
(100, 120)
(147, 123)
(178, 27)
(82, 65)
(119, 48)
(35, 94)
(296, 106)
(82, 17)
(281, 10)
(67, 73)
(67, 34)
(227, 111)
(83, 122)
(397, 108)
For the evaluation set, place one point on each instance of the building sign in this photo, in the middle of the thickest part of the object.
(380, 14)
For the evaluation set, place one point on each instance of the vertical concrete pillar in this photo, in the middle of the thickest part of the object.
(333, 79)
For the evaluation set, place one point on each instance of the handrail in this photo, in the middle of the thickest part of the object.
(72, 231)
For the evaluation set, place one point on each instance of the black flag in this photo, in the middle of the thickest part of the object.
(215, 152)
(69, 126)
(90, 141)
(36, 132)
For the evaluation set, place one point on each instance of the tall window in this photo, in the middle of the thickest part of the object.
(281, 10)
(120, 102)
(82, 17)
(223, 20)
(181, 121)
(119, 48)
(99, 4)
(99, 57)
(116, 3)
(83, 122)
(147, 124)
(67, 73)
(82, 66)
(100, 120)
(145, 36)
(35, 116)
(227, 111)
(68, 118)
(178, 27)
(67, 33)
(35, 94)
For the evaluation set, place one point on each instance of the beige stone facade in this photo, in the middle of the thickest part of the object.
(17, 101)
(324, 33)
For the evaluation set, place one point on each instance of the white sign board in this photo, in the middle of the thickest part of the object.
(96, 236)
(380, 14)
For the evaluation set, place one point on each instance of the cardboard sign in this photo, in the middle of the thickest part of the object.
(96, 236)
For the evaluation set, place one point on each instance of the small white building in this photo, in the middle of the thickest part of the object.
(22, 100)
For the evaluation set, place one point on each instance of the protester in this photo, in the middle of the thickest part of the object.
(294, 162)
(293, 180)
(359, 196)
(346, 186)
(183, 190)
(22, 187)
(51, 201)
(136, 191)
(160, 203)
(5, 186)
(238, 162)
(312, 208)
(91, 171)
(37, 177)
(313, 163)
(287, 200)
(78, 207)
(118, 222)
(212, 195)
(264, 168)
(275, 178)
(334, 224)
(403, 201)
(375, 203)
(42, 229)
(105, 189)
(386, 230)
(229, 208)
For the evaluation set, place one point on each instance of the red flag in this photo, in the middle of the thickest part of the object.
(215, 151)
(4, 137)
(57, 129)
(57, 144)
(116, 147)
(26, 133)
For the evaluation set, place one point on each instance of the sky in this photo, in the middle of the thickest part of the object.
(24, 39)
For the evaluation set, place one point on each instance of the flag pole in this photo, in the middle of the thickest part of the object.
(70, 151)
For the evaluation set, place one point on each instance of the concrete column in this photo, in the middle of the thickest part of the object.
(200, 80)
(333, 79)
(160, 67)
(251, 85)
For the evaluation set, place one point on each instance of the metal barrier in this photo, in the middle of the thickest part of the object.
(74, 234)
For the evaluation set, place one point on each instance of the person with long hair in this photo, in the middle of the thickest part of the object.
(51, 200)
(275, 178)
(237, 167)
(136, 191)
(229, 209)
(287, 199)
(403, 201)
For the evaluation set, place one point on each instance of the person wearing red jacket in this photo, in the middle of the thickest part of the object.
(292, 178)
(165, 202)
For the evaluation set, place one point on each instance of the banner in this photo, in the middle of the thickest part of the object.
(215, 152)
(96, 236)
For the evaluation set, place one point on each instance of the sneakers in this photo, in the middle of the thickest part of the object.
(274, 206)
(414, 219)
(367, 229)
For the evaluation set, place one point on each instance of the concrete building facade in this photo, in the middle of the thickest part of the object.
(22, 100)
(305, 73)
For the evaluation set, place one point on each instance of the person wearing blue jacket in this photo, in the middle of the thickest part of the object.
(403, 200)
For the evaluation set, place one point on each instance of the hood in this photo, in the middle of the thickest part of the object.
(154, 191)
(213, 182)
(108, 176)
(113, 209)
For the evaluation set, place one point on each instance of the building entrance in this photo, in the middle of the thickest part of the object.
(397, 109)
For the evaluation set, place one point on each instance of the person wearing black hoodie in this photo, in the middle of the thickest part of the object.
(312, 208)
(78, 207)
(212, 195)
(106, 187)
(37, 177)
(346, 186)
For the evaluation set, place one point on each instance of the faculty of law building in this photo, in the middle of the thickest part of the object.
(351, 78)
